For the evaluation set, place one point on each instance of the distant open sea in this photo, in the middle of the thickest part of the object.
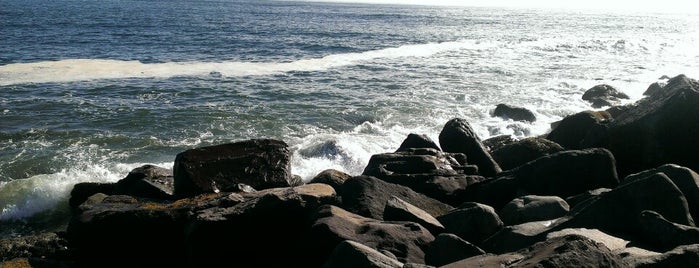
(92, 89)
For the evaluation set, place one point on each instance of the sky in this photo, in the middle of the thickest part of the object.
(665, 6)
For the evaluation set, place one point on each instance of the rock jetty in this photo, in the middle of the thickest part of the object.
(613, 188)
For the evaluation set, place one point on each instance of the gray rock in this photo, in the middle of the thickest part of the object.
(561, 174)
(659, 130)
(683, 256)
(332, 225)
(472, 222)
(334, 178)
(351, 254)
(457, 136)
(260, 163)
(684, 178)
(654, 89)
(581, 130)
(666, 235)
(367, 196)
(520, 152)
(533, 208)
(414, 141)
(448, 248)
(433, 173)
(514, 113)
(399, 210)
(147, 181)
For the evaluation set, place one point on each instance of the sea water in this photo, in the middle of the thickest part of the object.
(92, 89)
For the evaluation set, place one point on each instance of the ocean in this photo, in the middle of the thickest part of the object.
(92, 89)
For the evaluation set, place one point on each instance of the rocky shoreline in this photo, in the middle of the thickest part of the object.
(614, 188)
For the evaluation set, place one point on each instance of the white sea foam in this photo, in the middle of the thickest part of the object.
(92, 69)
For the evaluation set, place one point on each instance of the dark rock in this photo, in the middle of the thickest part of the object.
(46, 246)
(599, 103)
(472, 222)
(604, 93)
(399, 210)
(654, 89)
(523, 151)
(367, 196)
(561, 174)
(147, 181)
(260, 163)
(533, 208)
(332, 225)
(684, 178)
(566, 251)
(111, 227)
(82, 191)
(487, 261)
(515, 237)
(666, 235)
(567, 173)
(414, 141)
(351, 254)
(683, 256)
(448, 248)
(582, 130)
(615, 111)
(569, 251)
(494, 143)
(417, 265)
(265, 229)
(514, 113)
(296, 180)
(617, 212)
(659, 130)
(581, 198)
(434, 173)
(457, 136)
(334, 178)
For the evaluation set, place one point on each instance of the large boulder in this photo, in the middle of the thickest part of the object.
(683, 256)
(351, 254)
(581, 130)
(415, 141)
(659, 130)
(457, 136)
(617, 212)
(448, 248)
(684, 178)
(82, 191)
(434, 173)
(399, 210)
(492, 144)
(263, 229)
(522, 151)
(367, 196)
(332, 225)
(260, 163)
(666, 235)
(514, 113)
(565, 251)
(654, 89)
(533, 208)
(147, 181)
(472, 222)
(562, 174)
(332, 177)
(110, 228)
(50, 248)
(603, 95)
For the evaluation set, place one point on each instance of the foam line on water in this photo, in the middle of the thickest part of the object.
(70, 70)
